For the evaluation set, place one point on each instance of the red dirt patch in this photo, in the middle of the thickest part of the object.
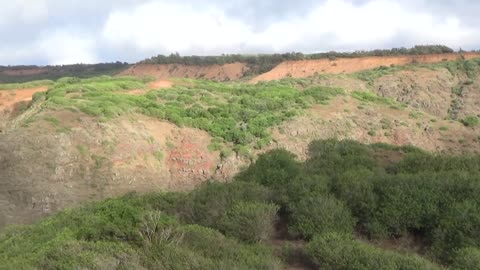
(306, 68)
(225, 72)
(8, 98)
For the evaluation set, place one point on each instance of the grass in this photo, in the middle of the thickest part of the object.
(373, 98)
(26, 85)
(235, 113)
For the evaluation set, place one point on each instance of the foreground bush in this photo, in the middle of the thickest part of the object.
(467, 259)
(320, 214)
(341, 252)
(250, 222)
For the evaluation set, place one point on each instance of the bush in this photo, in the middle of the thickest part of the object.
(458, 228)
(356, 189)
(209, 203)
(338, 251)
(470, 121)
(467, 259)
(320, 214)
(250, 222)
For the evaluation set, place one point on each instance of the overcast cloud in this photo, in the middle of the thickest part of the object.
(88, 31)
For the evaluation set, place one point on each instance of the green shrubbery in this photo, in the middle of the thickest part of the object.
(343, 192)
(467, 259)
(339, 251)
(251, 222)
(237, 114)
(471, 121)
(319, 214)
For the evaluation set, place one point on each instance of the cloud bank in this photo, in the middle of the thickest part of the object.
(88, 31)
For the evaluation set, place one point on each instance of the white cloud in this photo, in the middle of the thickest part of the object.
(159, 27)
(54, 31)
(23, 11)
(65, 48)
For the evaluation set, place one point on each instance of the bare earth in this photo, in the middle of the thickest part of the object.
(225, 72)
(306, 68)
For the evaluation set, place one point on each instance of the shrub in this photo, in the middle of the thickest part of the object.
(210, 202)
(458, 228)
(250, 222)
(320, 214)
(356, 189)
(467, 259)
(338, 251)
(470, 121)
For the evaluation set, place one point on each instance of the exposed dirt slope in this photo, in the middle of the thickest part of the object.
(214, 72)
(346, 118)
(12, 101)
(64, 158)
(306, 68)
(437, 92)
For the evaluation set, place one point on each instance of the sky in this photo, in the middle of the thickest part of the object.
(54, 32)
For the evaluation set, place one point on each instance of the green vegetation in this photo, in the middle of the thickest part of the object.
(337, 251)
(344, 195)
(235, 113)
(471, 121)
(26, 85)
(373, 98)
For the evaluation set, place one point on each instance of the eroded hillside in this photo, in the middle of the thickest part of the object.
(95, 138)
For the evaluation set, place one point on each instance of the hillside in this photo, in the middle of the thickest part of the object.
(90, 139)
(307, 68)
(225, 72)
(347, 206)
(70, 141)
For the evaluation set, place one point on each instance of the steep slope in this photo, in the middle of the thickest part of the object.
(225, 72)
(306, 68)
(366, 122)
(97, 138)
(65, 158)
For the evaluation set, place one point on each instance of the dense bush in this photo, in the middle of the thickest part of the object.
(251, 222)
(341, 252)
(458, 228)
(319, 214)
(343, 190)
(356, 189)
(209, 203)
(467, 259)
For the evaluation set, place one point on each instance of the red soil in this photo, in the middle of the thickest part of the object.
(8, 98)
(306, 68)
(214, 72)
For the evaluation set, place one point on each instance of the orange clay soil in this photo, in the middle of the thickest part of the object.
(225, 72)
(8, 98)
(306, 68)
